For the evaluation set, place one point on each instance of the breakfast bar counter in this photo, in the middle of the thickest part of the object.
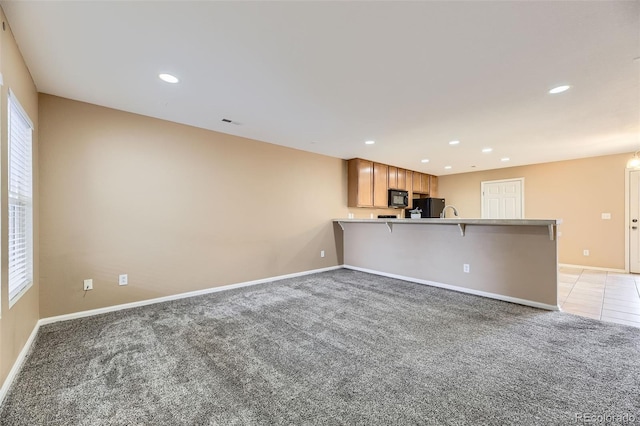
(551, 224)
(508, 259)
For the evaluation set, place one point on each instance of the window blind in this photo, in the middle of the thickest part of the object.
(20, 200)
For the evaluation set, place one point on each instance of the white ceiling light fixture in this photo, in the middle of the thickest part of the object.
(369, 142)
(424, 160)
(486, 150)
(454, 142)
(168, 78)
(447, 167)
(559, 89)
(505, 159)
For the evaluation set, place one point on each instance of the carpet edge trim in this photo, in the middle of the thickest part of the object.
(114, 308)
(17, 365)
(496, 296)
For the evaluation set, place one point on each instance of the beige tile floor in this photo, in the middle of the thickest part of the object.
(607, 296)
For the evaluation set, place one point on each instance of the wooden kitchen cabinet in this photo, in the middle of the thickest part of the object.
(402, 179)
(416, 183)
(397, 178)
(380, 185)
(360, 182)
(424, 178)
(433, 186)
(393, 178)
(369, 183)
(421, 183)
(409, 185)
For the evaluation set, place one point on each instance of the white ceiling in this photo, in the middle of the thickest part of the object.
(326, 76)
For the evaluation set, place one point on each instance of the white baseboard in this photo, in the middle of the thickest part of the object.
(17, 365)
(82, 314)
(460, 289)
(595, 268)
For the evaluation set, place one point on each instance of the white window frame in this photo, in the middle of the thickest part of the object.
(24, 197)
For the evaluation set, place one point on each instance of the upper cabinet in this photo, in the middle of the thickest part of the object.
(370, 182)
(393, 177)
(433, 186)
(380, 185)
(397, 178)
(421, 183)
(360, 183)
(402, 179)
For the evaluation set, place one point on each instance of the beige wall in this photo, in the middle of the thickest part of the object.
(17, 322)
(576, 191)
(175, 207)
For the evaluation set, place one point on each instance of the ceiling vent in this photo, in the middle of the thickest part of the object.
(226, 120)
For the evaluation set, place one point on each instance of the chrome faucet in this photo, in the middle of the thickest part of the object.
(455, 212)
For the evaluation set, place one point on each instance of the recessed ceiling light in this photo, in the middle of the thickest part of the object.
(485, 150)
(168, 78)
(370, 142)
(424, 160)
(505, 159)
(559, 89)
(447, 167)
(454, 142)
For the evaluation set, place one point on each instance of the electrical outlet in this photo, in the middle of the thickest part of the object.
(88, 285)
(321, 253)
(465, 268)
(123, 279)
(606, 216)
(585, 252)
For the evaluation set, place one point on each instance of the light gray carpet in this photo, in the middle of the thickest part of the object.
(341, 347)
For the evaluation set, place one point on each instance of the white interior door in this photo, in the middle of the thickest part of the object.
(634, 224)
(503, 199)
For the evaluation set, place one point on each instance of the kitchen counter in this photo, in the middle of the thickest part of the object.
(456, 220)
(551, 224)
(507, 259)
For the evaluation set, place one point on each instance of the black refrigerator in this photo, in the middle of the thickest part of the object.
(431, 207)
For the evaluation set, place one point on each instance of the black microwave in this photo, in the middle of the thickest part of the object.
(398, 199)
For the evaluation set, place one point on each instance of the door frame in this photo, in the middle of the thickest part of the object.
(482, 185)
(627, 205)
